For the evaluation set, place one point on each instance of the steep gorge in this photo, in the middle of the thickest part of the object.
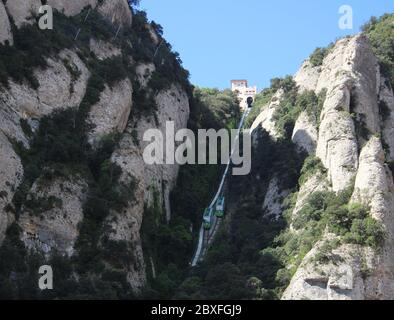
(313, 219)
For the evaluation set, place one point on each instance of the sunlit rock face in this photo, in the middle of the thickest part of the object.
(117, 11)
(71, 7)
(111, 113)
(23, 12)
(265, 119)
(305, 134)
(355, 88)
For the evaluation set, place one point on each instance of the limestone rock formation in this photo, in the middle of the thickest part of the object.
(52, 212)
(349, 146)
(111, 113)
(307, 76)
(349, 73)
(104, 50)
(71, 7)
(305, 134)
(58, 89)
(354, 272)
(386, 106)
(11, 172)
(340, 279)
(315, 183)
(337, 144)
(265, 118)
(173, 106)
(144, 72)
(272, 205)
(117, 11)
(153, 181)
(127, 224)
(23, 12)
(5, 27)
(57, 227)
(374, 187)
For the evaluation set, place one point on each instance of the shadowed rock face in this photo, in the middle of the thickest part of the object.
(272, 205)
(387, 97)
(11, 172)
(5, 27)
(173, 105)
(57, 228)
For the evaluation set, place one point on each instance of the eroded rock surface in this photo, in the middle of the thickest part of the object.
(117, 11)
(50, 220)
(5, 27)
(23, 12)
(11, 172)
(265, 118)
(154, 182)
(111, 113)
(72, 7)
(350, 147)
(305, 134)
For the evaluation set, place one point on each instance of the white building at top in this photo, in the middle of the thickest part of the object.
(244, 92)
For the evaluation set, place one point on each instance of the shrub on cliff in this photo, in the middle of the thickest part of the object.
(380, 32)
(317, 57)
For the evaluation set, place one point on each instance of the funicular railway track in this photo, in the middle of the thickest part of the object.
(213, 214)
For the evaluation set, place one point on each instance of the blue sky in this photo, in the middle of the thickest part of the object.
(220, 40)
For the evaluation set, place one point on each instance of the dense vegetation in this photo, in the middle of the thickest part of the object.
(292, 104)
(380, 32)
(233, 268)
(322, 211)
(317, 57)
(263, 98)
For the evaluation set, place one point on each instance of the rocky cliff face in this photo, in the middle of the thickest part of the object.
(53, 214)
(57, 227)
(265, 118)
(21, 102)
(23, 12)
(5, 27)
(348, 137)
(72, 7)
(348, 141)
